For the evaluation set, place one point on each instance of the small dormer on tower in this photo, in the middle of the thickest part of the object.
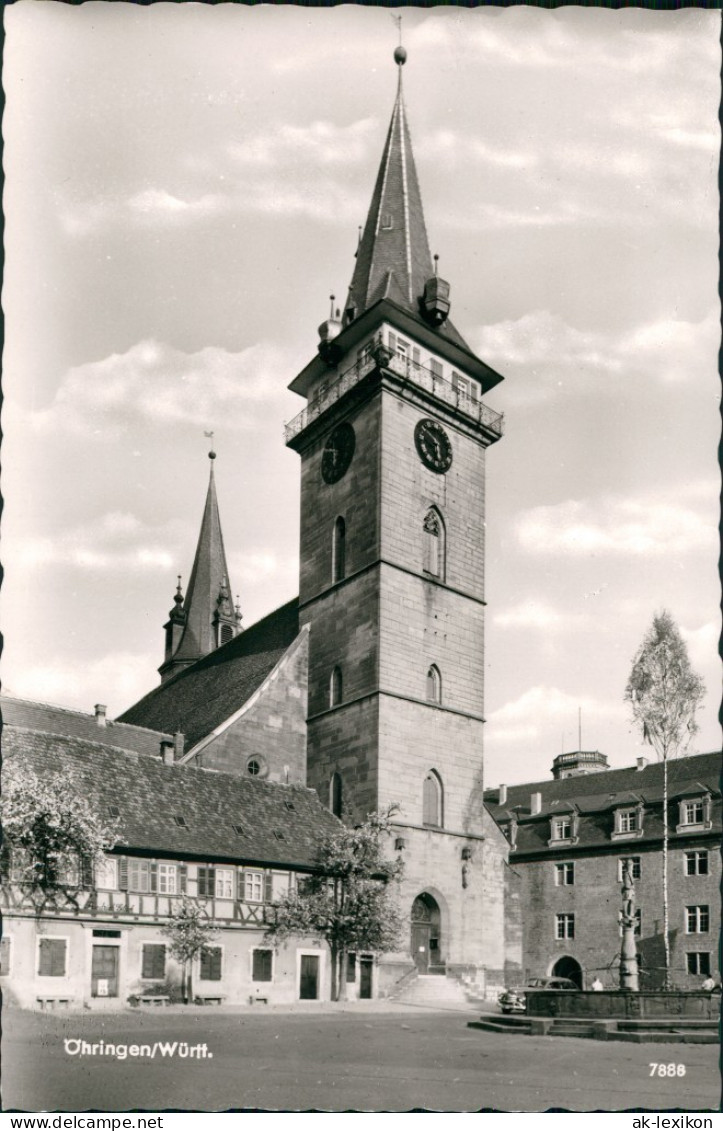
(206, 618)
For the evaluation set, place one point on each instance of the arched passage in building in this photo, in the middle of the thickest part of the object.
(567, 967)
(426, 933)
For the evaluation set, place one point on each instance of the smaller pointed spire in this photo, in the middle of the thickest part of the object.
(205, 618)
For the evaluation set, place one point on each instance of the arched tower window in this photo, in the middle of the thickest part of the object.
(336, 687)
(225, 633)
(338, 551)
(335, 794)
(434, 544)
(433, 800)
(434, 685)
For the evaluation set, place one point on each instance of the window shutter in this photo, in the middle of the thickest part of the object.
(392, 341)
(86, 874)
(123, 873)
(261, 966)
(57, 957)
(4, 956)
(216, 964)
(182, 878)
(267, 887)
(241, 885)
(153, 886)
(52, 958)
(154, 960)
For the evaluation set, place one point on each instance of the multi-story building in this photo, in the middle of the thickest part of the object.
(570, 839)
(231, 844)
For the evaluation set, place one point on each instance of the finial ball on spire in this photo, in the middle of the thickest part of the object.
(211, 455)
(400, 56)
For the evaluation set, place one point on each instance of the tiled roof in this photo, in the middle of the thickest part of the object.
(204, 695)
(150, 795)
(596, 796)
(60, 720)
(393, 258)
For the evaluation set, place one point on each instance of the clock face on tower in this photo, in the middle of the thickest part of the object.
(433, 445)
(338, 452)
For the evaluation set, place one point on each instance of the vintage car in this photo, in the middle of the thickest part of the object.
(515, 1000)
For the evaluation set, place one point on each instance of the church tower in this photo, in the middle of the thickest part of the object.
(206, 617)
(393, 443)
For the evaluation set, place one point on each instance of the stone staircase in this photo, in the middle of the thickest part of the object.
(433, 990)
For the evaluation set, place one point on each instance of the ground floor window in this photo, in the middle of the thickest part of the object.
(211, 964)
(52, 954)
(4, 956)
(262, 965)
(153, 963)
(698, 962)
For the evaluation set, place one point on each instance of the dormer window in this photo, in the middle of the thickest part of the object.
(563, 829)
(628, 822)
(694, 814)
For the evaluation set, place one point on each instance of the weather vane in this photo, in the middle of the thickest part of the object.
(398, 22)
(209, 436)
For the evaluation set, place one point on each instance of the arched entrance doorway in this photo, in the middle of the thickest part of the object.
(426, 933)
(567, 967)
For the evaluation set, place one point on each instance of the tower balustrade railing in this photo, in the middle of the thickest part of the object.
(412, 371)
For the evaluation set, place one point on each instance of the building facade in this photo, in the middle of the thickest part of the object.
(570, 839)
(232, 845)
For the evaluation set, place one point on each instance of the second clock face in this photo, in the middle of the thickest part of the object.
(434, 445)
(338, 452)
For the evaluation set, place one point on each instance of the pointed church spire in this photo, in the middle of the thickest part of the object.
(393, 259)
(209, 617)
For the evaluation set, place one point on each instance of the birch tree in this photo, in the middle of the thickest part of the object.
(665, 694)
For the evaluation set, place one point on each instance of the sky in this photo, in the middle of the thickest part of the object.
(184, 186)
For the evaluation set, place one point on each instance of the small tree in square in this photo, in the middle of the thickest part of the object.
(53, 835)
(350, 903)
(189, 932)
(665, 694)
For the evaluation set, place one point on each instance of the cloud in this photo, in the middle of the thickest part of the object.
(155, 384)
(537, 614)
(702, 644)
(548, 354)
(615, 526)
(554, 43)
(253, 568)
(284, 147)
(116, 679)
(457, 150)
(286, 170)
(118, 541)
(529, 716)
